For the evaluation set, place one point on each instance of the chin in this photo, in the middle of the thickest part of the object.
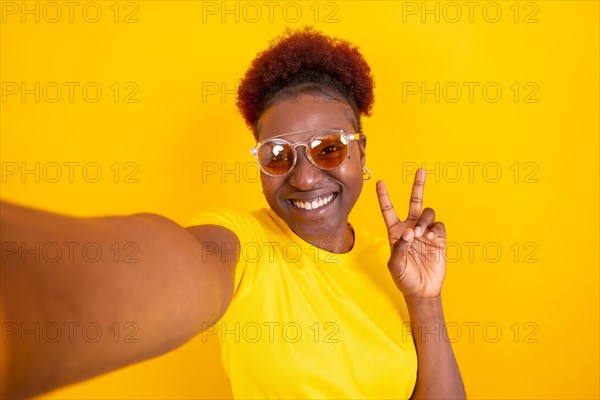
(320, 225)
(317, 231)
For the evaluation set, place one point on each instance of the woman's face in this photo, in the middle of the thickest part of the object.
(306, 183)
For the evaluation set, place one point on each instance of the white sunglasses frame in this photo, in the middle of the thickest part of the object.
(345, 135)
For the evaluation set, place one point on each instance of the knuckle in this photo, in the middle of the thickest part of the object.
(440, 225)
(429, 212)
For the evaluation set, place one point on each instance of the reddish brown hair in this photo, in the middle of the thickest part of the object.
(306, 61)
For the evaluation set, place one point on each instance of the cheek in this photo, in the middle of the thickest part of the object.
(270, 184)
(350, 174)
(353, 165)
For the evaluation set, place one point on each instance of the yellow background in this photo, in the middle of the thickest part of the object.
(550, 209)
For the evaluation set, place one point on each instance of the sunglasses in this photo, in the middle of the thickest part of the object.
(327, 149)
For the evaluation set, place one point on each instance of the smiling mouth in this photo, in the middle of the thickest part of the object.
(319, 202)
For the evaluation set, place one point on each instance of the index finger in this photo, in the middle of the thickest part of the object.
(387, 209)
(416, 197)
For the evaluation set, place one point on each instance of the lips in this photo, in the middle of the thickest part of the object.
(314, 203)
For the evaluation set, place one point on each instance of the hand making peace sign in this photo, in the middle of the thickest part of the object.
(418, 244)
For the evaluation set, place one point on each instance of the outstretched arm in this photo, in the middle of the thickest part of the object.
(83, 296)
(418, 265)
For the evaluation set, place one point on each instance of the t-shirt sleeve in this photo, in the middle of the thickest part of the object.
(243, 225)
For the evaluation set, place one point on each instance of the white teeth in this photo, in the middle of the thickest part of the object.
(312, 205)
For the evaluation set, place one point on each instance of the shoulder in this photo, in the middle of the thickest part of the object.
(218, 216)
(245, 225)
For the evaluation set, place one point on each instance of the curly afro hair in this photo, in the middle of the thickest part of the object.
(306, 61)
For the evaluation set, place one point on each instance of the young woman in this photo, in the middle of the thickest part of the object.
(302, 302)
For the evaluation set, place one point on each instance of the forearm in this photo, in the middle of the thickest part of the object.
(85, 296)
(438, 376)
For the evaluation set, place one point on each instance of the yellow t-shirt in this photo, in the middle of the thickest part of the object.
(307, 323)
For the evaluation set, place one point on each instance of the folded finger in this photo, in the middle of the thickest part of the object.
(426, 219)
(437, 230)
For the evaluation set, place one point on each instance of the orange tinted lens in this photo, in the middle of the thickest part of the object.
(276, 157)
(329, 150)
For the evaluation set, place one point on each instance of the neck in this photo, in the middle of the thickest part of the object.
(342, 241)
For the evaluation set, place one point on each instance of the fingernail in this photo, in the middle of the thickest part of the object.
(418, 231)
(430, 235)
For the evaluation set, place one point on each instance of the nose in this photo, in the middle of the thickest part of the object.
(305, 175)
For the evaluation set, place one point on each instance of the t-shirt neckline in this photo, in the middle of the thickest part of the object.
(312, 250)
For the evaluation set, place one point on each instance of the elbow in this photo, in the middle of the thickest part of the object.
(205, 284)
